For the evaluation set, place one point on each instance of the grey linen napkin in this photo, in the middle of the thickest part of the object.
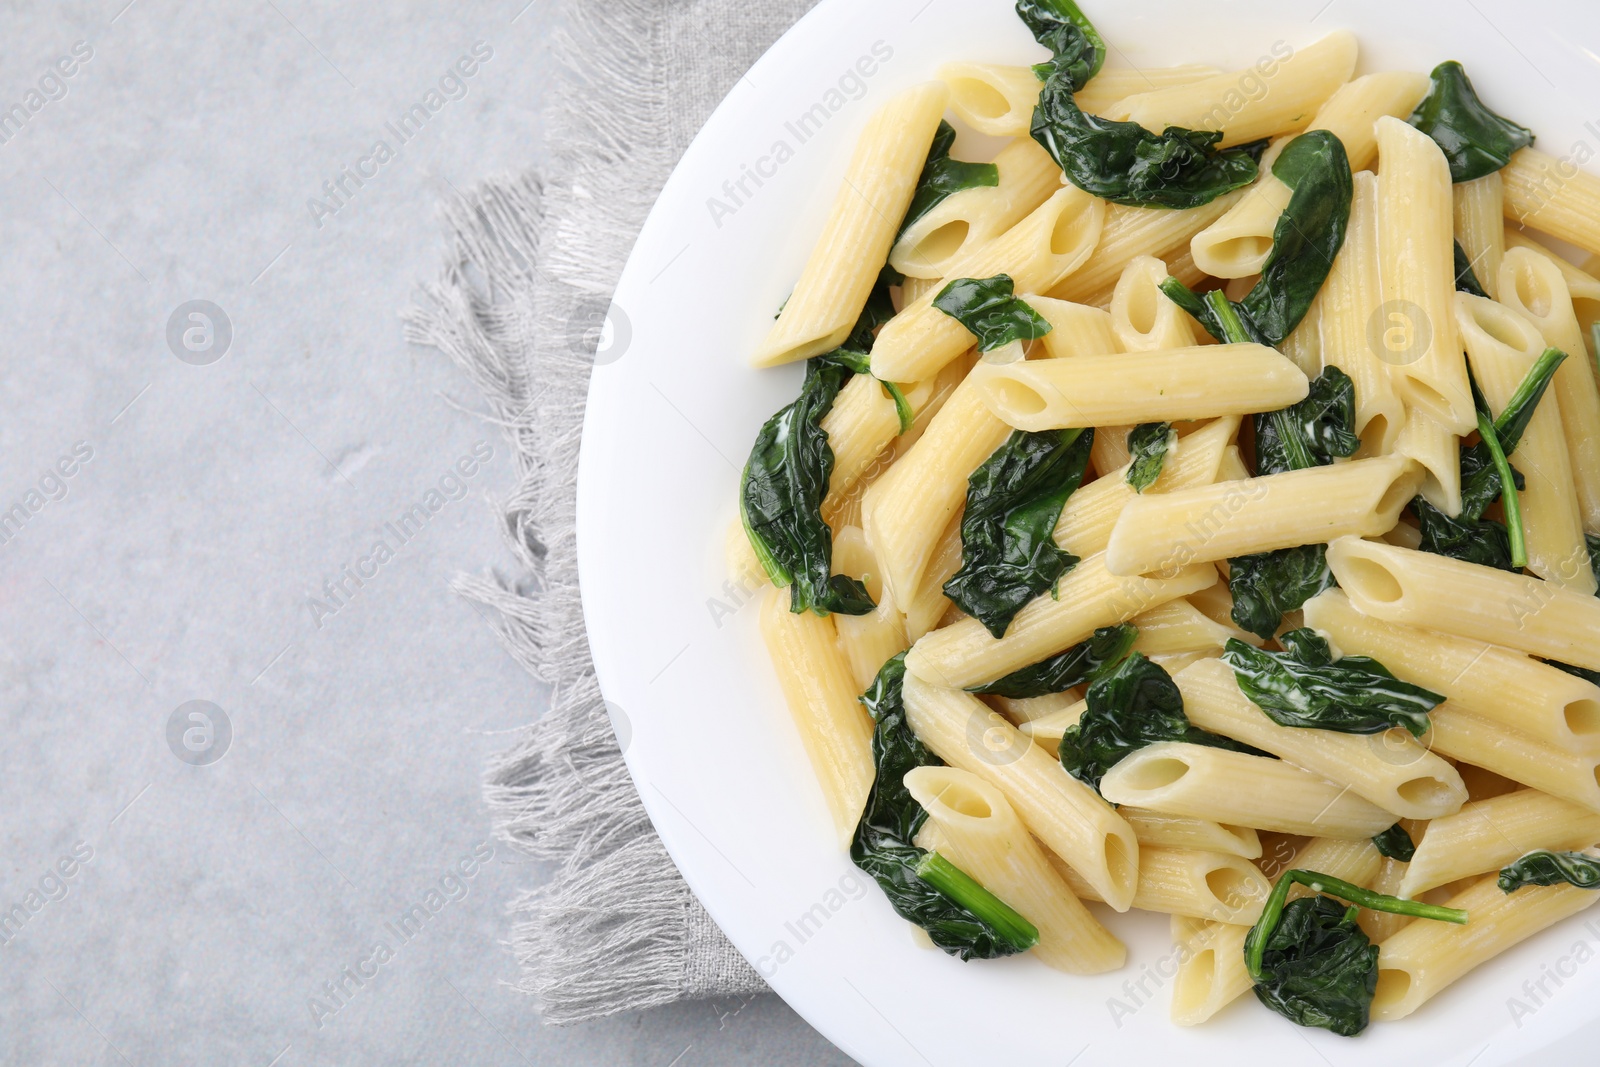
(519, 306)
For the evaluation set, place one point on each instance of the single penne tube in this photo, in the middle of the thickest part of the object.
(1179, 626)
(1353, 110)
(972, 824)
(860, 425)
(1241, 790)
(929, 603)
(1293, 89)
(1350, 300)
(1533, 285)
(1050, 243)
(1075, 329)
(1023, 710)
(1302, 507)
(1553, 196)
(1047, 730)
(1437, 449)
(1379, 926)
(1237, 244)
(1211, 972)
(1485, 743)
(1416, 265)
(1425, 957)
(1483, 679)
(744, 569)
(1486, 835)
(1109, 449)
(1204, 381)
(878, 184)
(1199, 885)
(1355, 861)
(1129, 232)
(1397, 774)
(1142, 318)
(906, 511)
(1068, 816)
(1113, 85)
(1583, 285)
(971, 218)
(1157, 829)
(1086, 522)
(1479, 209)
(1438, 593)
(1086, 598)
(834, 728)
(868, 641)
(1503, 347)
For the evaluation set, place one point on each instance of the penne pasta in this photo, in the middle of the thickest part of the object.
(1553, 196)
(1211, 972)
(1199, 885)
(1479, 208)
(1486, 835)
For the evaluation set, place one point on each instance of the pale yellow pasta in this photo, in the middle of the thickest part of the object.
(1047, 730)
(1350, 300)
(1554, 196)
(1438, 593)
(1512, 754)
(1241, 790)
(972, 824)
(744, 569)
(1046, 246)
(1075, 329)
(1533, 285)
(844, 265)
(1486, 835)
(1425, 957)
(1179, 626)
(1437, 449)
(867, 640)
(1157, 829)
(1300, 507)
(1142, 318)
(1109, 450)
(1379, 926)
(1129, 232)
(971, 218)
(1196, 884)
(907, 510)
(1355, 861)
(1237, 244)
(1495, 683)
(1023, 710)
(1582, 283)
(1211, 972)
(1503, 347)
(1286, 95)
(1087, 597)
(1068, 816)
(1134, 387)
(998, 100)
(1114, 84)
(1353, 110)
(1479, 208)
(1086, 521)
(1416, 265)
(834, 728)
(929, 603)
(860, 425)
(1407, 779)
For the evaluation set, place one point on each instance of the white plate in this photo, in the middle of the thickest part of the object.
(670, 421)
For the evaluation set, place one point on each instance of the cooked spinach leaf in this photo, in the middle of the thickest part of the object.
(1008, 548)
(943, 176)
(1395, 843)
(1135, 705)
(1481, 541)
(1475, 140)
(1148, 445)
(990, 310)
(1081, 663)
(959, 915)
(1544, 867)
(1304, 686)
(1265, 585)
(1120, 161)
(1305, 242)
(1313, 432)
(1466, 279)
(1309, 960)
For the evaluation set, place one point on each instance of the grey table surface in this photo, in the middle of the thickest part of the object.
(209, 906)
(177, 908)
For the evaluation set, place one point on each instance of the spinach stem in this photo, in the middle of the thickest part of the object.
(1261, 933)
(1519, 409)
(962, 889)
(1234, 333)
(1508, 491)
(1228, 316)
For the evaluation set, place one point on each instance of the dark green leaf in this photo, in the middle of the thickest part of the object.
(1264, 585)
(882, 846)
(989, 308)
(1466, 279)
(1475, 140)
(1008, 548)
(1592, 677)
(1309, 960)
(1081, 663)
(942, 176)
(1221, 320)
(1544, 867)
(1395, 843)
(1312, 433)
(1303, 686)
(1135, 705)
(1480, 541)
(1148, 444)
(1480, 478)
(1074, 43)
